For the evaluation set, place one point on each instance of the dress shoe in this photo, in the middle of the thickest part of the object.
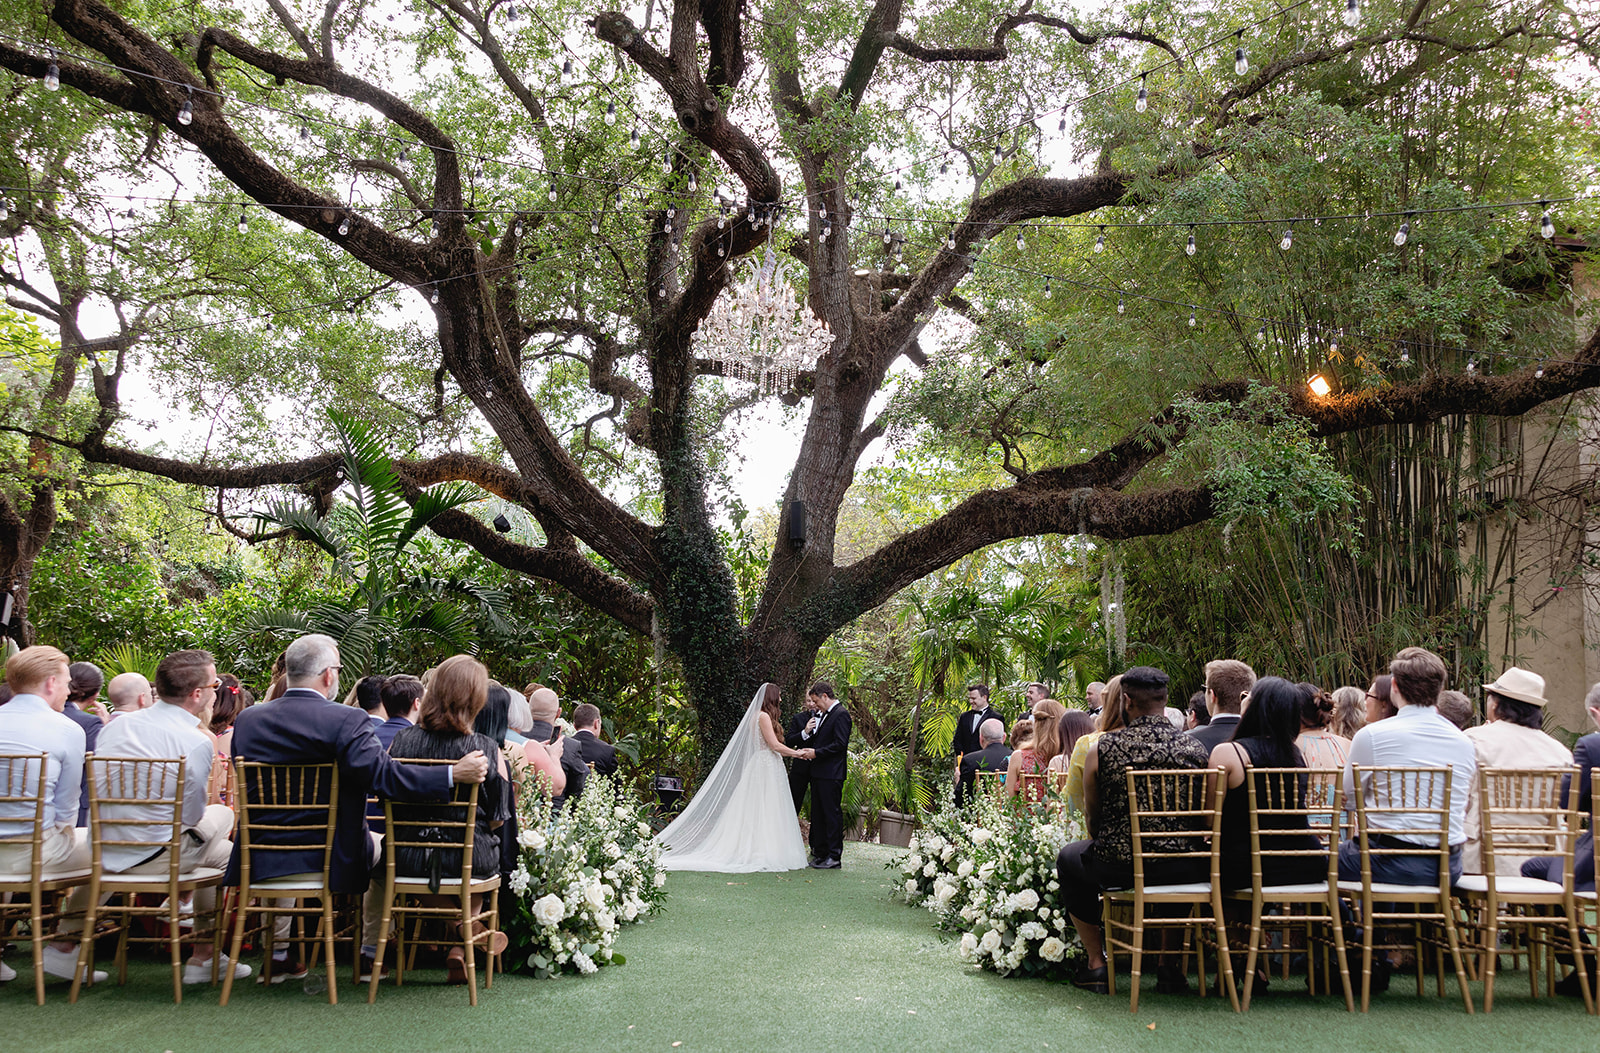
(825, 864)
(366, 970)
(1569, 984)
(200, 972)
(1095, 981)
(283, 970)
(63, 965)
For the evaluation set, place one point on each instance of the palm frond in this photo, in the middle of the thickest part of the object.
(305, 525)
(128, 657)
(433, 503)
(376, 489)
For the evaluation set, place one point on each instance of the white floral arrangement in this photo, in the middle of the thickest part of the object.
(987, 873)
(581, 875)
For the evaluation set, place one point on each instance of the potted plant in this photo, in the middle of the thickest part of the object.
(909, 796)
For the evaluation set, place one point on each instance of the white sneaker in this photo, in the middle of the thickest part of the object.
(185, 912)
(200, 973)
(63, 965)
(7, 973)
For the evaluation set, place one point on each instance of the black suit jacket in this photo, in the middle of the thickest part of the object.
(832, 743)
(1214, 734)
(91, 726)
(601, 755)
(302, 727)
(993, 757)
(966, 737)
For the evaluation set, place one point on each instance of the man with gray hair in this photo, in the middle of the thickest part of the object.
(305, 726)
(546, 706)
(992, 755)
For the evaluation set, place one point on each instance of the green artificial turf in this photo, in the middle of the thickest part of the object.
(822, 961)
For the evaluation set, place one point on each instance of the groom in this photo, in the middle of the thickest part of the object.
(828, 754)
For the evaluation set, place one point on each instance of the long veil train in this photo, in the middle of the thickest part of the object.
(742, 818)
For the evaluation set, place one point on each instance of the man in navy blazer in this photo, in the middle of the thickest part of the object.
(829, 756)
(303, 726)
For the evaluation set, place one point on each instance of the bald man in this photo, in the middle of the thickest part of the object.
(546, 707)
(128, 693)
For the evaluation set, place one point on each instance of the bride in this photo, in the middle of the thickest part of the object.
(742, 819)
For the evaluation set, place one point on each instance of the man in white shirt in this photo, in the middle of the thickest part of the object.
(33, 722)
(1416, 736)
(128, 693)
(1513, 738)
(186, 685)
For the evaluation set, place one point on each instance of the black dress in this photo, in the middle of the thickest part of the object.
(413, 820)
(1296, 835)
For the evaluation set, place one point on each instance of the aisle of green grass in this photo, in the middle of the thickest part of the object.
(804, 961)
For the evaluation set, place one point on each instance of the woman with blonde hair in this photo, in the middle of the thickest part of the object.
(1349, 712)
(1035, 756)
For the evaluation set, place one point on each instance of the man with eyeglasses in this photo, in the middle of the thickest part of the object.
(305, 726)
(186, 686)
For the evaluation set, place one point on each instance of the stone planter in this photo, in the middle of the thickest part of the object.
(896, 828)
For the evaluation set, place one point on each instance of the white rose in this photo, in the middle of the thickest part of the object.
(1052, 949)
(968, 913)
(986, 871)
(913, 862)
(965, 869)
(531, 838)
(620, 812)
(595, 895)
(629, 910)
(1027, 899)
(1032, 930)
(915, 845)
(930, 869)
(990, 941)
(968, 946)
(911, 886)
(549, 910)
(943, 894)
(1052, 885)
(947, 852)
(613, 850)
(661, 878)
(980, 836)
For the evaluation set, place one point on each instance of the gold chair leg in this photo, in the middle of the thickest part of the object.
(327, 931)
(237, 942)
(1455, 956)
(85, 948)
(383, 941)
(36, 916)
(1138, 958)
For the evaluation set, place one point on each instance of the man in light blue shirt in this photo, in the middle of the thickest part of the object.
(31, 723)
(1415, 737)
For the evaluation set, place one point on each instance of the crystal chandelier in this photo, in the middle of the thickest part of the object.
(761, 332)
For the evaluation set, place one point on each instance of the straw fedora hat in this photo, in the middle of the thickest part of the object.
(1520, 685)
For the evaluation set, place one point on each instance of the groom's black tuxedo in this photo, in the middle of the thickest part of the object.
(966, 737)
(799, 770)
(831, 740)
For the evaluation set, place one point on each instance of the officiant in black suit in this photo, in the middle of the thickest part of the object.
(797, 735)
(829, 755)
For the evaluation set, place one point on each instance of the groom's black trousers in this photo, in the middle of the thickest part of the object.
(827, 818)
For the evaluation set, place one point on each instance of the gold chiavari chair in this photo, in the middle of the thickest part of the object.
(1523, 814)
(23, 778)
(1420, 797)
(455, 827)
(119, 783)
(1175, 817)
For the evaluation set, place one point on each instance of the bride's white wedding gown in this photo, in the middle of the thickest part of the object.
(742, 819)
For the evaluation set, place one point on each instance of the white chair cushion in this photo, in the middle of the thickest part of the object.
(1309, 888)
(1585, 895)
(1386, 889)
(286, 885)
(60, 875)
(1515, 886)
(1187, 889)
(197, 874)
(410, 884)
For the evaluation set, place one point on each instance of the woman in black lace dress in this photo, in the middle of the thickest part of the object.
(444, 731)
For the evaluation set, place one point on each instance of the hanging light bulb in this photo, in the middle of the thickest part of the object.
(435, 297)
(666, 162)
(1352, 13)
(1538, 374)
(1261, 334)
(1020, 243)
(516, 229)
(1192, 319)
(1100, 241)
(405, 154)
(827, 228)
(998, 156)
(694, 184)
(1047, 288)
(52, 73)
(750, 213)
(186, 111)
(722, 216)
(1122, 306)
(633, 137)
(617, 199)
(1333, 348)
(897, 186)
(888, 236)
(1189, 246)
(1405, 358)
(305, 130)
(551, 193)
(5, 210)
(1472, 366)
(1287, 242)
(1547, 227)
(594, 224)
(344, 225)
(566, 67)
(597, 261)
(244, 222)
(944, 164)
(1061, 128)
(1319, 386)
(1241, 65)
(611, 112)
(661, 292)
(672, 211)
(511, 12)
(950, 238)
(1403, 233)
(1141, 101)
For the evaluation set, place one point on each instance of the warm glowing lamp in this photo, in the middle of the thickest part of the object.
(1319, 386)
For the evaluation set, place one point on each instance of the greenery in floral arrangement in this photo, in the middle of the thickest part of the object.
(987, 873)
(581, 876)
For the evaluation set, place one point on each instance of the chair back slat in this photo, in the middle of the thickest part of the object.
(1174, 815)
(23, 779)
(120, 783)
(286, 808)
(1286, 806)
(1411, 804)
(1524, 812)
(436, 825)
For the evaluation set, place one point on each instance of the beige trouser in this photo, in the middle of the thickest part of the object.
(371, 900)
(66, 849)
(211, 850)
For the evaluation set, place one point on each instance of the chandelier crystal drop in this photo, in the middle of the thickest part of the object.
(761, 331)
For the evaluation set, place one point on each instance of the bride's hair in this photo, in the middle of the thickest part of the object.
(769, 706)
